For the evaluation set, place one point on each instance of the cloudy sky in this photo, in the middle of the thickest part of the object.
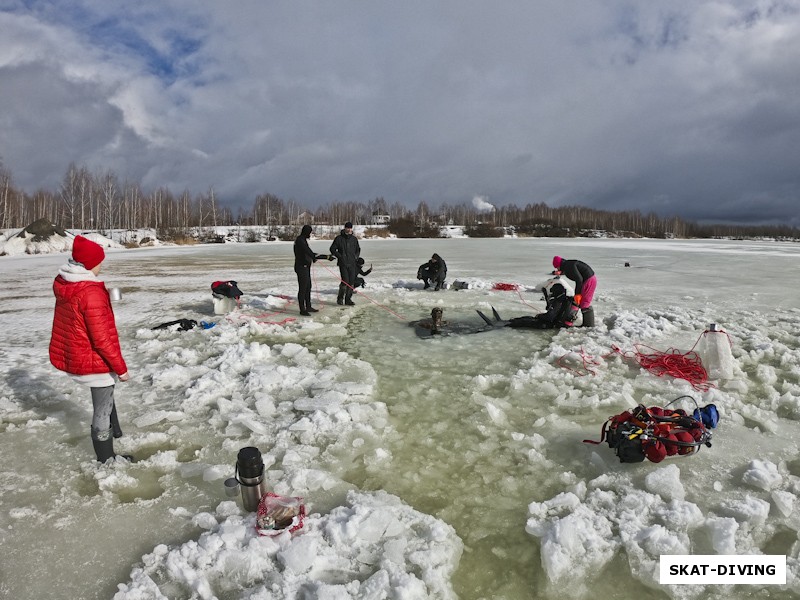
(682, 107)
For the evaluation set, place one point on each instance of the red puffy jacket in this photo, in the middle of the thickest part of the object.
(84, 339)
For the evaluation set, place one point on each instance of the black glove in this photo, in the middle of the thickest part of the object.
(331, 257)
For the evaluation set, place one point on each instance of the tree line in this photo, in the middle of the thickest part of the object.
(100, 201)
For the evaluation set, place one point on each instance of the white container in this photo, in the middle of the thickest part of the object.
(714, 350)
(222, 304)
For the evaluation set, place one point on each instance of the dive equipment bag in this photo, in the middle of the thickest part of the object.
(655, 432)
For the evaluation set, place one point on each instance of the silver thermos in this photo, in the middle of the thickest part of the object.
(250, 475)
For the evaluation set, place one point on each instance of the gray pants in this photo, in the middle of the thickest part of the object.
(103, 402)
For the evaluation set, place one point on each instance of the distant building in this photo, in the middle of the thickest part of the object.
(304, 218)
(380, 219)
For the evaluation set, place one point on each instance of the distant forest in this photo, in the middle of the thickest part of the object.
(100, 201)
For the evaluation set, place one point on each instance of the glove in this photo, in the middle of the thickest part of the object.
(331, 257)
(578, 299)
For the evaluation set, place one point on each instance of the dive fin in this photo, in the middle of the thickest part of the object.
(485, 318)
(496, 315)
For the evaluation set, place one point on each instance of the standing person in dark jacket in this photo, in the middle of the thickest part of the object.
(303, 259)
(346, 249)
(585, 285)
(84, 342)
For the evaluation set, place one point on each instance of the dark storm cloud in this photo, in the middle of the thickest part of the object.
(687, 107)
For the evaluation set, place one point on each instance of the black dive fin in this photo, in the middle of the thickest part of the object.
(496, 315)
(485, 318)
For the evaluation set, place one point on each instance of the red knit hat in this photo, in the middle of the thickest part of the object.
(87, 252)
(557, 261)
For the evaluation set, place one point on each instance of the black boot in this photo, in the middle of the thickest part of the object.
(104, 446)
(115, 423)
(104, 449)
(340, 297)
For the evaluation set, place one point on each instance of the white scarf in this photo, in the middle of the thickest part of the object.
(73, 271)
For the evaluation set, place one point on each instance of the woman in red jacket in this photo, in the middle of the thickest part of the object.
(84, 342)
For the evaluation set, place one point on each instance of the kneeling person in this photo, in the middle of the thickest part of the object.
(561, 311)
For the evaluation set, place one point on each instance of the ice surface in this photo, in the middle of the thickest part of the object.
(428, 466)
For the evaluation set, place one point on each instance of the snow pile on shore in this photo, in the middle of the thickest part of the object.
(374, 547)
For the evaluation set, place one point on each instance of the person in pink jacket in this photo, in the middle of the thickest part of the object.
(84, 342)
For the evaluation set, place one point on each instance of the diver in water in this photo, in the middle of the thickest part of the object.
(433, 326)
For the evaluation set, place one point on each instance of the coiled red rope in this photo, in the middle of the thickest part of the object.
(672, 363)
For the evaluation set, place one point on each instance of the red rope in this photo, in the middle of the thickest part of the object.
(258, 318)
(702, 335)
(514, 287)
(588, 363)
(505, 287)
(386, 308)
(672, 362)
(316, 287)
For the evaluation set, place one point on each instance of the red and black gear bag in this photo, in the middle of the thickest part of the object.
(653, 433)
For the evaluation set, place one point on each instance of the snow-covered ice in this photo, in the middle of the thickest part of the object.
(431, 468)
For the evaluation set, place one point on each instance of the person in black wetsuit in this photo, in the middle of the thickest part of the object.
(362, 273)
(304, 257)
(346, 249)
(561, 311)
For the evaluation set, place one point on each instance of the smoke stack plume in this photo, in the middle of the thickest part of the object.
(482, 203)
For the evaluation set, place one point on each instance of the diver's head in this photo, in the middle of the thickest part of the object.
(436, 319)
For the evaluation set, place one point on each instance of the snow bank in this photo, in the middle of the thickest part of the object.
(373, 547)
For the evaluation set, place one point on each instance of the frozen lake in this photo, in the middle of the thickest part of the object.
(431, 468)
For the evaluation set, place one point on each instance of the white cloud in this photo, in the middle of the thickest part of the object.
(613, 104)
